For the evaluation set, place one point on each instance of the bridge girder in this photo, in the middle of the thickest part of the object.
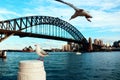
(23, 23)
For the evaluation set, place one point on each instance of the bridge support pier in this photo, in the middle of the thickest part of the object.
(84, 45)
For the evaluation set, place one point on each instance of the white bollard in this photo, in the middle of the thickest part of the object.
(31, 70)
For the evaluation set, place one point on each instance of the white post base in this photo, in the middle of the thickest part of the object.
(31, 70)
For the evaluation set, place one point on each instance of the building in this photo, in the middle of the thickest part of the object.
(90, 44)
(28, 49)
(66, 47)
(116, 44)
(98, 42)
(70, 46)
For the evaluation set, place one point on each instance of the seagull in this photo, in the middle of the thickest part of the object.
(40, 51)
(78, 12)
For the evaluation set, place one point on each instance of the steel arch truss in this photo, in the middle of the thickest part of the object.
(20, 25)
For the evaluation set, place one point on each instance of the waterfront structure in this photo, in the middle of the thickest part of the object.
(31, 70)
(42, 27)
(3, 54)
(56, 50)
(28, 49)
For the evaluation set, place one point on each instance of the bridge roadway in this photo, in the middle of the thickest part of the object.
(24, 34)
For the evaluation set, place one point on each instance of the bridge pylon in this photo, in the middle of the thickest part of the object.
(5, 36)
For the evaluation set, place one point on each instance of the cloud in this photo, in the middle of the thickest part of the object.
(105, 19)
(6, 11)
(7, 14)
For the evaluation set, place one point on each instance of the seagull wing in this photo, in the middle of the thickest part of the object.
(43, 52)
(39, 53)
(69, 4)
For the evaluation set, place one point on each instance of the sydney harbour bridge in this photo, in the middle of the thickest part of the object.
(42, 27)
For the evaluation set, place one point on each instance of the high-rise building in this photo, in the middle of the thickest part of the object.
(70, 46)
(90, 44)
(100, 42)
(66, 48)
(96, 41)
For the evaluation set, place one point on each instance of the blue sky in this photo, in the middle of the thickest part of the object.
(105, 23)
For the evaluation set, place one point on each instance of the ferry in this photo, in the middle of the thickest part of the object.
(78, 53)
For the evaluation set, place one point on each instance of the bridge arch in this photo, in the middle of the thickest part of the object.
(23, 23)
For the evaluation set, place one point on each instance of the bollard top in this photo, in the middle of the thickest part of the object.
(31, 64)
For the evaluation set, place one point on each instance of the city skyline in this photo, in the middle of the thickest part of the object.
(104, 25)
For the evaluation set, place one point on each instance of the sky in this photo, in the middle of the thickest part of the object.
(105, 23)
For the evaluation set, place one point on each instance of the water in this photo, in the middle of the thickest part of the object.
(67, 66)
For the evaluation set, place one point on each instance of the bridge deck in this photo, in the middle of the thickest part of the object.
(24, 34)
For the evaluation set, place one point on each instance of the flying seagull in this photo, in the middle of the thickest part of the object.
(40, 51)
(78, 12)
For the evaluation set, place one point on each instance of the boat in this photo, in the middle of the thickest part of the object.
(78, 53)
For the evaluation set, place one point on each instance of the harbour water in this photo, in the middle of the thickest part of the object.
(67, 65)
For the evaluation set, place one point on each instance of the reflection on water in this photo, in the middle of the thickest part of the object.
(4, 59)
(67, 66)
